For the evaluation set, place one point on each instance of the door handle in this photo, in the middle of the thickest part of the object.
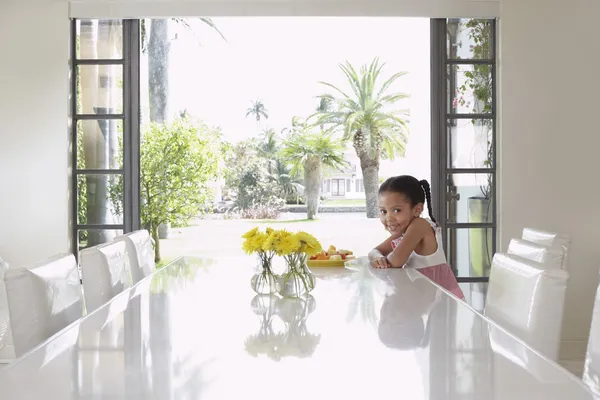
(452, 196)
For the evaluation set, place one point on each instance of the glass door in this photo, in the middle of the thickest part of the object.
(464, 148)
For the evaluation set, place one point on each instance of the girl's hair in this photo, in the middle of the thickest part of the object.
(415, 191)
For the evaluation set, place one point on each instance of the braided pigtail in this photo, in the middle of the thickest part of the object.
(427, 190)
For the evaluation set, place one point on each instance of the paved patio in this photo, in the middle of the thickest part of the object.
(222, 238)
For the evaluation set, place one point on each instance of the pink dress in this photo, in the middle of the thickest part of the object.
(434, 266)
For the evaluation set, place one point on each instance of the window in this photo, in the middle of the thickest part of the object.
(104, 116)
(360, 187)
(338, 187)
(348, 185)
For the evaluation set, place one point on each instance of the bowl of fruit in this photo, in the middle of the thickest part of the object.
(331, 257)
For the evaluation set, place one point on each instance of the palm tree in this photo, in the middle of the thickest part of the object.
(308, 152)
(259, 111)
(365, 116)
(283, 176)
(268, 148)
(323, 107)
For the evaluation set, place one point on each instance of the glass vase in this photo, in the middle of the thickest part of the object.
(265, 281)
(297, 280)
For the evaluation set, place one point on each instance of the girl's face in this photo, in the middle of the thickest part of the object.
(396, 213)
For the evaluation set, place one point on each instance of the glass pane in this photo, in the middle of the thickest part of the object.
(470, 252)
(99, 89)
(469, 39)
(470, 143)
(99, 199)
(469, 198)
(469, 89)
(93, 237)
(100, 144)
(99, 39)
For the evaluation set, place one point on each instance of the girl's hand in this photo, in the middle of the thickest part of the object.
(380, 262)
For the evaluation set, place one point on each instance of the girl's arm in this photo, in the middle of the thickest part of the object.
(415, 232)
(380, 252)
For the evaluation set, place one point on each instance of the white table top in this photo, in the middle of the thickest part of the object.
(198, 332)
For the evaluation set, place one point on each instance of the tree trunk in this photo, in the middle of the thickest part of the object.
(156, 239)
(312, 179)
(370, 171)
(159, 47)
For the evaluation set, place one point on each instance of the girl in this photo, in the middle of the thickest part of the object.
(414, 242)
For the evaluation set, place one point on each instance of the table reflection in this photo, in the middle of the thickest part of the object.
(283, 331)
(404, 321)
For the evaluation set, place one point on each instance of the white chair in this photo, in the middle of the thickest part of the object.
(105, 273)
(591, 369)
(7, 348)
(42, 300)
(140, 252)
(551, 257)
(549, 239)
(527, 299)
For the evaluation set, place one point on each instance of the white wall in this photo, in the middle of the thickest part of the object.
(34, 139)
(549, 140)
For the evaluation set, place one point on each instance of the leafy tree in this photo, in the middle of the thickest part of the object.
(177, 162)
(268, 148)
(364, 112)
(257, 188)
(247, 177)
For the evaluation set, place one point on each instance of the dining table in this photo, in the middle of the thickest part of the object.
(195, 329)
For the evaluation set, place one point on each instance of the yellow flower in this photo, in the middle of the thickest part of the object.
(254, 241)
(309, 244)
(269, 230)
(282, 242)
(288, 244)
(250, 233)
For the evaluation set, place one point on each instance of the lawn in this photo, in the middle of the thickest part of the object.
(222, 238)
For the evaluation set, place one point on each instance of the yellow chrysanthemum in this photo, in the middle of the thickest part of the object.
(309, 244)
(250, 233)
(288, 243)
(269, 230)
(254, 242)
(269, 243)
(281, 242)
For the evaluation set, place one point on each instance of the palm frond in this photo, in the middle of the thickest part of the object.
(334, 88)
(389, 82)
(209, 22)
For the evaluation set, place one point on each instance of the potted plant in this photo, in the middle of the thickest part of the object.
(480, 239)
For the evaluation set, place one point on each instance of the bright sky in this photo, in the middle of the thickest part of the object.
(280, 60)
